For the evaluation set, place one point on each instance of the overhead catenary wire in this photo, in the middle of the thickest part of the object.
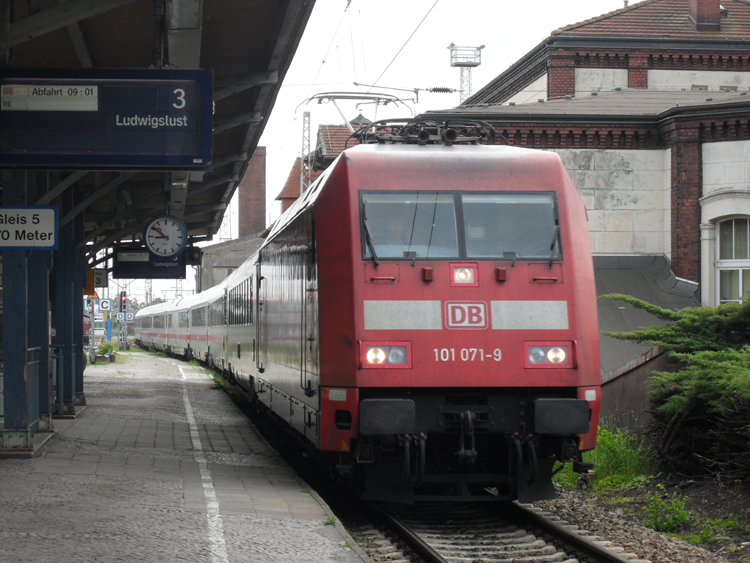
(404, 45)
(333, 38)
(351, 41)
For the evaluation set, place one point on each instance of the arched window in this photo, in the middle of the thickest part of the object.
(733, 265)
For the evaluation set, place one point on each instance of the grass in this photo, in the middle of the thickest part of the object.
(621, 459)
(224, 385)
(714, 530)
(330, 521)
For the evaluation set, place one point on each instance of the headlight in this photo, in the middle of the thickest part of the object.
(397, 355)
(385, 355)
(464, 274)
(557, 355)
(376, 355)
(549, 355)
(536, 355)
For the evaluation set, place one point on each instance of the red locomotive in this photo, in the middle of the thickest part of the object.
(424, 316)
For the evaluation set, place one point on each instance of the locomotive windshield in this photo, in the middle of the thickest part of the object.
(410, 225)
(510, 226)
(398, 225)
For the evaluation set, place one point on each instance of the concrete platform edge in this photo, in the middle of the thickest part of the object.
(349, 540)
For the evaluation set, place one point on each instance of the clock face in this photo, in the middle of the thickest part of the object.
(165, 236)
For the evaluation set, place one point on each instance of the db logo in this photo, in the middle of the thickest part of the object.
(8, 90)
(466, 314)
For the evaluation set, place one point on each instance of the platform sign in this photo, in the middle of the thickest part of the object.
(105, 304)
(129, 316)
(106, 119)
(28, 228)
(100, 277)
(139, 263)
(120, 316)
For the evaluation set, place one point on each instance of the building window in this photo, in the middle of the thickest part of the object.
(734, 260)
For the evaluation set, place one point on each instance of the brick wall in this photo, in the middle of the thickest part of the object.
(687, 181)
(638, 70)
(562, 74)
(252, 195)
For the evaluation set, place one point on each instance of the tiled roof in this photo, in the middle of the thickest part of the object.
(332, 140)
(291, 188)
(626, 103)
(662, 19)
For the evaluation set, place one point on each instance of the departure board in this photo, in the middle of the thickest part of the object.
(106, 119)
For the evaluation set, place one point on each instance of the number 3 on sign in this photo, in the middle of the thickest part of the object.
(180, 93)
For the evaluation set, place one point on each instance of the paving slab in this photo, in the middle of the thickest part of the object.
(160, 466)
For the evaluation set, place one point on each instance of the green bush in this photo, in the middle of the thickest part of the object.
(693, 329)
(701, 410)
(666, 513)
(714, 380)
(621, 459)
(105, 348)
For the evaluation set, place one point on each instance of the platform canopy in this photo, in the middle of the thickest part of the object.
(248, 46)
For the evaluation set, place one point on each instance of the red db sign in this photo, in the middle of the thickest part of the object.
(466, 314)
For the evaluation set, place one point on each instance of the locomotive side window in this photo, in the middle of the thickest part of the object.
(409, 225)
(511, 226)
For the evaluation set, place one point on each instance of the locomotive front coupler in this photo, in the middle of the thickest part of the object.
(420, 443)
(467, 455)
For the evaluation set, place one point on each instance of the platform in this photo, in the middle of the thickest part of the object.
(161, 466)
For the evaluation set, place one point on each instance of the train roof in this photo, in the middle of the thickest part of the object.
(400, 157)
(204, 297)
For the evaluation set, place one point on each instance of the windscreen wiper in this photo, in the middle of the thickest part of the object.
(555, 237)
(368, 237)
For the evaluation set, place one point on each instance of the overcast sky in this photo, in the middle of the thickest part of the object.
(401, 44)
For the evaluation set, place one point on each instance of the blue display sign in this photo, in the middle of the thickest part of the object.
(139, 263)
(106, 119)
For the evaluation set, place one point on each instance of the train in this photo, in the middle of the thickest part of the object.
(423, 318)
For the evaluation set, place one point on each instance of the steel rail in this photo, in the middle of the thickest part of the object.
(420, 546)
(582, 545)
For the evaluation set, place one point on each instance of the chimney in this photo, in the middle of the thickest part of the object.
(704, 15)
(252, 195)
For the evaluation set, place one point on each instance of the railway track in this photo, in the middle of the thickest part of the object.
(484, 533)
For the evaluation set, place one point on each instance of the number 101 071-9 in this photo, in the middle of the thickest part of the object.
(466, 355)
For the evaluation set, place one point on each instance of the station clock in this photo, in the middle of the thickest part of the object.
(165, 236)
